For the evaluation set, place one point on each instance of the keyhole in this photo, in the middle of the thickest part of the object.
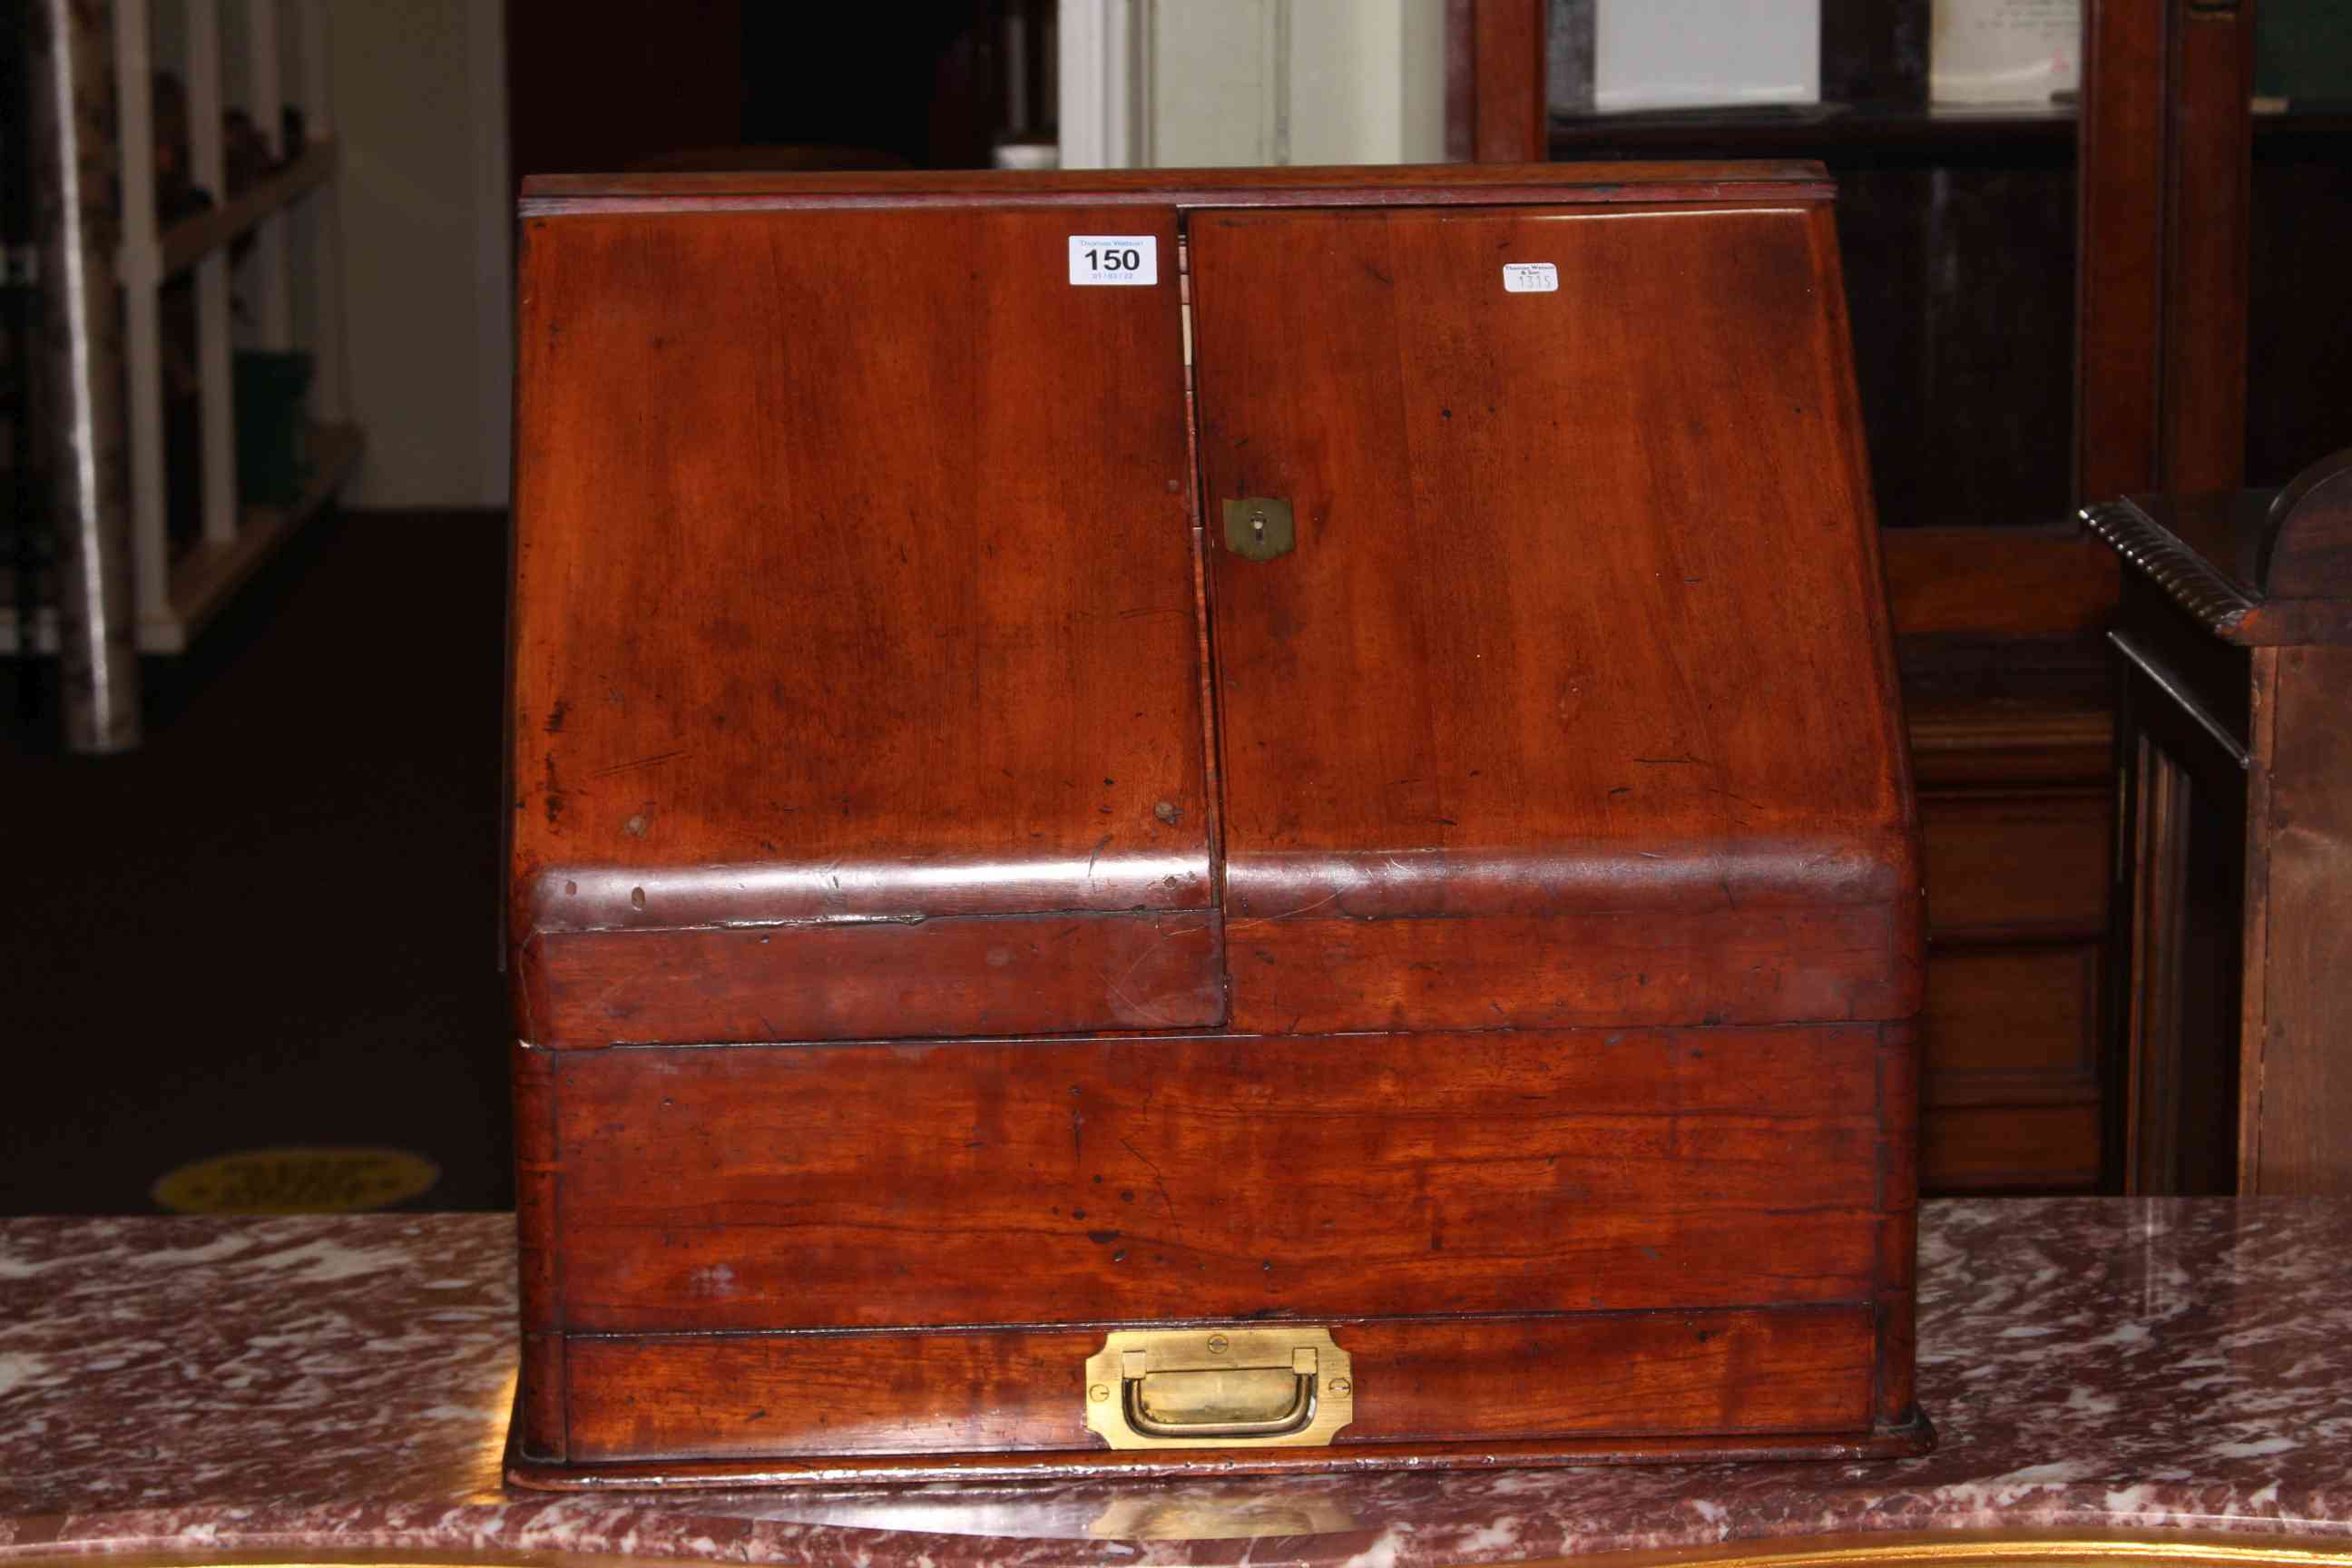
(1258, 524)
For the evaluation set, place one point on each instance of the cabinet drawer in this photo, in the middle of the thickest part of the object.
(1994, 1148)
(2026, 1012)
(2032, 864)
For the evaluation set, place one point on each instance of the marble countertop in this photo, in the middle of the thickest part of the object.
(276, 1386)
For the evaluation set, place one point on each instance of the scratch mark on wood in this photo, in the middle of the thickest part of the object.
(655, 760)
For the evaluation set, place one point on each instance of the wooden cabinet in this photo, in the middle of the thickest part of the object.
(2050, 305)
(2233, 975)
(1069, 827)
(2014, 808)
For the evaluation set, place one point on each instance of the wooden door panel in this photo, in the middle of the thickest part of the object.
(1572, 571)
(855, 583)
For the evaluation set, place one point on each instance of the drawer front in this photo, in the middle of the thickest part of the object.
(1158, 1179)
(2012, 1089)
(2009, 1148)
(2001, 1015)
(1653, 1374)
(2016, 866)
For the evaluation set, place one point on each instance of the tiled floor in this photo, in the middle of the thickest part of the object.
(275, 923)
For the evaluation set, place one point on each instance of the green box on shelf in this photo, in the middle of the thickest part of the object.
(273, 427)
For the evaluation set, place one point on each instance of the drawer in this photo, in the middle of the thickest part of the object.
(1742, 1370)
(2000, 1013)
(715, 1190)
(1995, 1147)
(2017, 865)
(2012, 1089)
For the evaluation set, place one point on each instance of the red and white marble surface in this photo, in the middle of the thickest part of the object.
(199, 1386)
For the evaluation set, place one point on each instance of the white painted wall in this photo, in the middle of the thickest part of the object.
(1222, 83)
(420, 104)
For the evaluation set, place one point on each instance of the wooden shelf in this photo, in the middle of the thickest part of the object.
(1821, 129)
(1846, 130)
(187, 242)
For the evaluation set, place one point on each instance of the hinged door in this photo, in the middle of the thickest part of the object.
(1552, 677)
(857, 687)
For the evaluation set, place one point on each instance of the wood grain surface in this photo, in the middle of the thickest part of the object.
(1160, 1178)
(889, 731)
(1790, 1371)
(851, 979)
(2298, 1081)
(1522, 620)
(812, 574)
(2003, 864)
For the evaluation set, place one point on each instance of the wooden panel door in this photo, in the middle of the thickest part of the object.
(1580, 634)
(857, 661)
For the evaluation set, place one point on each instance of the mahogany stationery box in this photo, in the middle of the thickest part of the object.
(1203, 820)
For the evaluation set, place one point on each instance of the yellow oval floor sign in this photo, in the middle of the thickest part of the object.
(297, 1181)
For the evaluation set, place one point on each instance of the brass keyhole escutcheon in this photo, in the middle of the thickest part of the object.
(1259, 528)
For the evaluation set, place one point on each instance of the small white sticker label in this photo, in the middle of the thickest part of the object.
(1530, 278)
(1117, 259)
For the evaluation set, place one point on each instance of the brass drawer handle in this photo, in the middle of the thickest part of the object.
(1196, 1388)
(1228, 1392)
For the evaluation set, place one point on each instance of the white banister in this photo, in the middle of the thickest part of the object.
(172, 592)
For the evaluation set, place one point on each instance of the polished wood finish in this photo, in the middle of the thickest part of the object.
(1468, 1380)
(1996, 745)
(2166, 181)
(1546, 759)
(1461, 81)
(1913, 1435)
(1731, 966)
(1509, 105)
(2017, 884)
(2119, 281)
(768, 483)
(2298, 1007)
(2011, 1147)
(1012, 973)
(2012, 1022)
(1997, 581)
(2234, 760)
(2011, 745)
(2012, 1092)
(1958, 235)
(960, 903)
(541, 1383)
(1039, 1180)
(2002, 866)
(2207, 212)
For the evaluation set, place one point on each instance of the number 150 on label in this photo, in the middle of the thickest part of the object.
(1116, 260)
